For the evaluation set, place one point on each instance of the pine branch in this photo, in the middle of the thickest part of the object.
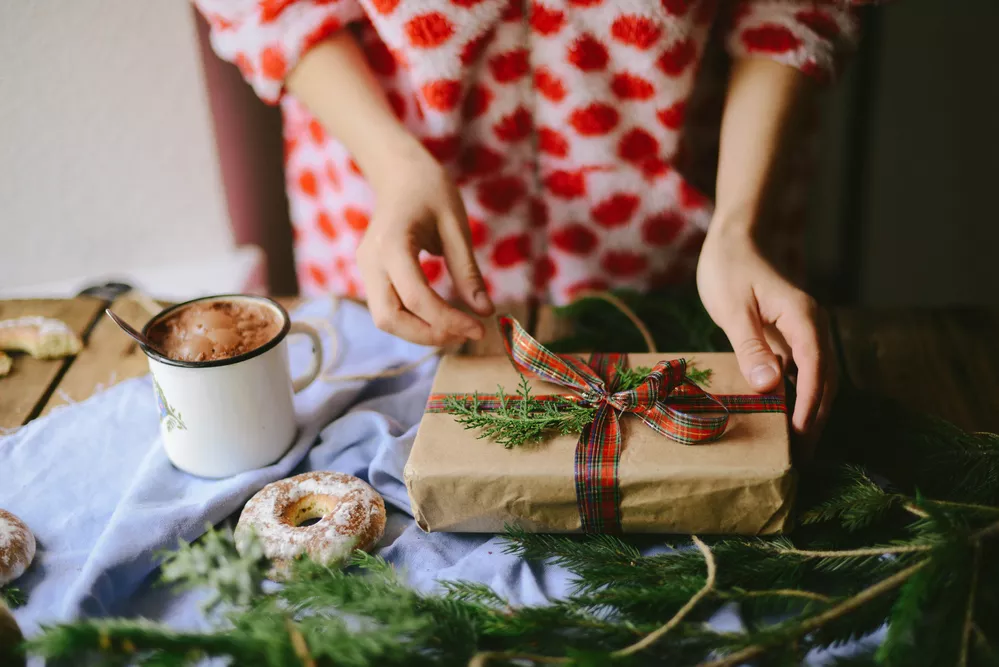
(13, 596)
(523, 420)
(215, 564)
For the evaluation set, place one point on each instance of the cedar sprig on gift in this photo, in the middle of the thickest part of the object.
(521, 419)
(524, 419)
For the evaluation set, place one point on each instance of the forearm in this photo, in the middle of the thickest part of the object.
(334, 82)
(759, 109)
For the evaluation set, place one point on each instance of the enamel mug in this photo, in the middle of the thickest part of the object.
(223, 417)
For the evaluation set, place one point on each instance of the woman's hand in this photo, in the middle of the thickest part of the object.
(416, 205)
(418, 208)
(759, 310)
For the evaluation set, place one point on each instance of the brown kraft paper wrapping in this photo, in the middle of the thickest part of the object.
(741, 484)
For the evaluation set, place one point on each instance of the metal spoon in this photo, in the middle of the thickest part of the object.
(127, 328)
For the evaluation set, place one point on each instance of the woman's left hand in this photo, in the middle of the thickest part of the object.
(759, 309)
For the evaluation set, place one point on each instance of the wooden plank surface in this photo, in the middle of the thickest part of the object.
(942, 361)
(29, 383)
(109, 357)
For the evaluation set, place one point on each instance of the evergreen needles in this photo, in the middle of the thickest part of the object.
(920, 555)
(523, 419)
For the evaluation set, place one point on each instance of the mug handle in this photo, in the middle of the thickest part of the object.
(300, 383)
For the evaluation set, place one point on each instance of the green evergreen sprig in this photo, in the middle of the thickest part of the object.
(523, 419)
(12, 596)
(919, 554)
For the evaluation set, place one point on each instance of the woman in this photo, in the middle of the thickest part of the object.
(498, 150)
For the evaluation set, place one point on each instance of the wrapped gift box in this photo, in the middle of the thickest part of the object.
(741, 483)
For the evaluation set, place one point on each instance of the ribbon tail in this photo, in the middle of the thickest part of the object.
(598, 493)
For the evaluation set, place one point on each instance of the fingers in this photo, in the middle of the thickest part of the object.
(799, 324)
(457, 246)
(756, 360)
(447, 322)
(388, 313)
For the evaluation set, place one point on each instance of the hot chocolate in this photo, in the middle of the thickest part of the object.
(213, 330)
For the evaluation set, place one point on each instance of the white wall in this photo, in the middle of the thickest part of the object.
(107, 156)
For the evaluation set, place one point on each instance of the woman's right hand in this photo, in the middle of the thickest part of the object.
(419, 208)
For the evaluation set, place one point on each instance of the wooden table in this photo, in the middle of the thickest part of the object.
(944, 361)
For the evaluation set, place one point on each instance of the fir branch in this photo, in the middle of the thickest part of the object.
(522, 421)
(215, 564)
(709, 585)
(799, 628)
(13, 596)
(857, 503)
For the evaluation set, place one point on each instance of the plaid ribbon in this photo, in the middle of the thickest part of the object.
(667, 401)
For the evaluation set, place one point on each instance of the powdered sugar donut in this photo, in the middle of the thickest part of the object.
(41, 337)
(17, 547)
(351, 516)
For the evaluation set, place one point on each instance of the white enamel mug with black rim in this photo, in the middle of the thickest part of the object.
(220, 418)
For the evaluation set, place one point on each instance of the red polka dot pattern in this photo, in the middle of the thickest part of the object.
(325, 226)
(444, 149)
(575, 239)
(770, 39)
(566, 184)
(678, 7)
(623, 263)
(544, 271)
(539, 213)
(308, 183)
(479, 232)
(549, 85)
(594, 120)
(546, 21)
(317, 275)
(616, 210)
(428, 31)
(558, 120)
(473, 49)
(515, 126)
(511, 250)
(356, 219)
(636, 31)
(385, 6)
(678, 57)
(552, 142)
(500, 194)
(662, 229)
(632, 87)
(509, 66)
(672, 117)
(316, 131)
(442, 95)
(588, 54)
(272, 63)
(433, 268)
(479, 160)
(637, 145)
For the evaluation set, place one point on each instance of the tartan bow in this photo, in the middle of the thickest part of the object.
(598, 450)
